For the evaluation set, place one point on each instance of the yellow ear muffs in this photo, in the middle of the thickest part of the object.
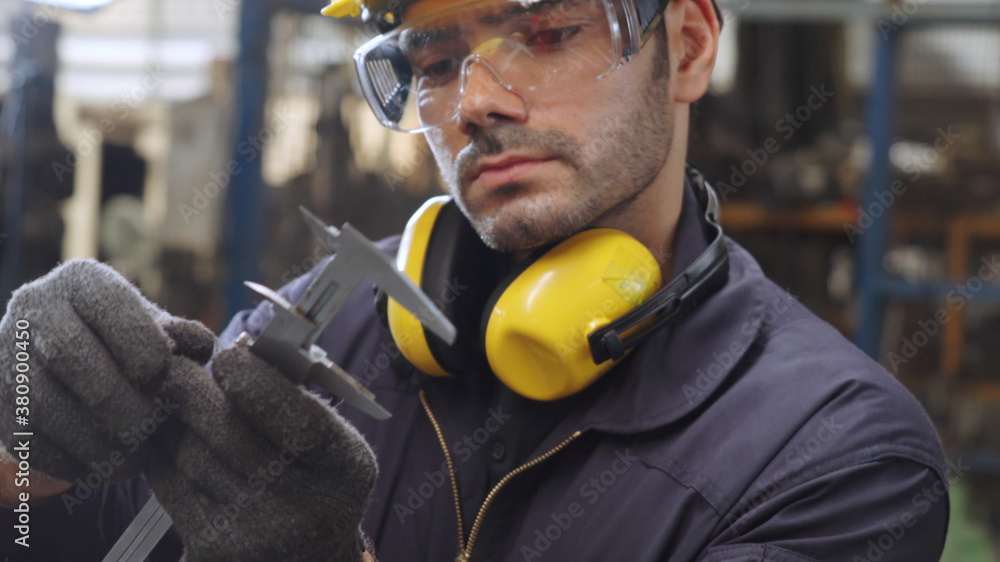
(563, 317)
(443, 255)
(536, 329)
(530, 329)
(406, 329)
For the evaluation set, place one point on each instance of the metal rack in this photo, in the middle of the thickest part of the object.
(876, 286)
(833, 10)
(245, 201)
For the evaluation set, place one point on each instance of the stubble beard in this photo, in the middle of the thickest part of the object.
(601, 178)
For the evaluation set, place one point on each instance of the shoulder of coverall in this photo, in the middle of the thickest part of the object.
(751, 351)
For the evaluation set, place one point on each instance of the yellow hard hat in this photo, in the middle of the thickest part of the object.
(343, 8)
(387, 13)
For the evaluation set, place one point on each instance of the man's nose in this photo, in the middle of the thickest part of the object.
(486, 96)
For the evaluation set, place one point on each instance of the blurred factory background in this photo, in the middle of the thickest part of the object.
(855, 144)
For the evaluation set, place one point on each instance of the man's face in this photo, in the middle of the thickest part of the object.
(527, 169)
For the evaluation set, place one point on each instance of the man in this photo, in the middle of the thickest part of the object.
(745, 429)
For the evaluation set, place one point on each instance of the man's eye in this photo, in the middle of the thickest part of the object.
(438, 70)
(552, 37)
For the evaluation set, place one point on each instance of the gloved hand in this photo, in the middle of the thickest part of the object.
(263, 469)
(249, 466)
(94, 347)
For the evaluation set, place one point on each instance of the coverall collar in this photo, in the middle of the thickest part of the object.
(683, 365)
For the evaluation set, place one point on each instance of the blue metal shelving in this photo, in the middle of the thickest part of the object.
(245, 199)
(876, 286)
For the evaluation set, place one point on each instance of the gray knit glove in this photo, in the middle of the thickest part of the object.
(248, 465)
(263, 470)
(84, 347)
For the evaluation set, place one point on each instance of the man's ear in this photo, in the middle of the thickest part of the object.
(693, 35)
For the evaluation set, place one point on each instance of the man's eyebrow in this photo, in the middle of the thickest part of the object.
(517, 9)
(504, 15)
(415, 39)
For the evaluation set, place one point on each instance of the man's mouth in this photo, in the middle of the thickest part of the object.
(506, 169)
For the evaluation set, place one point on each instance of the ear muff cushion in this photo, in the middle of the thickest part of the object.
(537, 321)
(407, 331)
(459, 275)
(501, 287)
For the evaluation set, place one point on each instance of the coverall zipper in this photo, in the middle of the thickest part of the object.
(465, 548)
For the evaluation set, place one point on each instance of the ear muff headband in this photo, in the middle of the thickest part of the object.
(706, 275)
(547, 330)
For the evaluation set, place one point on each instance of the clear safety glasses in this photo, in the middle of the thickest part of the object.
(415, 76)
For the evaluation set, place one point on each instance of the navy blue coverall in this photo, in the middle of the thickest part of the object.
(752, 431)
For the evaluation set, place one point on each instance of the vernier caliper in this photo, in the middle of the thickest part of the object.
(288, 340)
(288, 343)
